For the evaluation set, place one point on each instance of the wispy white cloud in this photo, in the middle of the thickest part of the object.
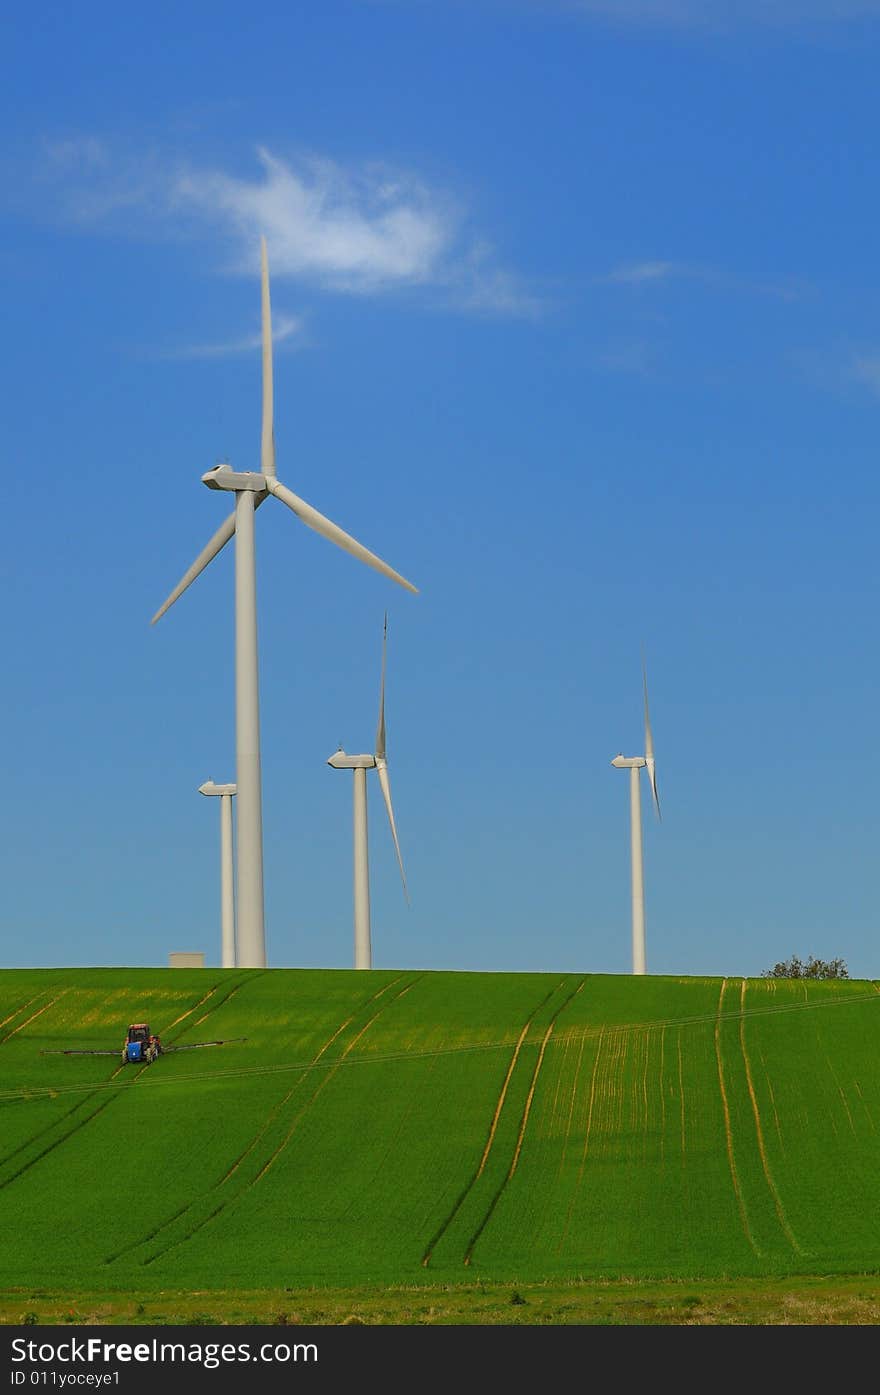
(284, 327)
(358, 231)
(655, 272)
(348, 231)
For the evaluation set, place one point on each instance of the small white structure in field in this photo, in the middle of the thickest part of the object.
(363, 954)
(186, 959)
(634, 765)
(227, 886)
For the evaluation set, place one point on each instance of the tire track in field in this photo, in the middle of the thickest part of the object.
(22, 1007)
(864, 1104)
(616, 1085)
(540, 1061)
(273, 1114)
(205, 1015)
(523, 1125)
(189, 1205)
(57, 1122)
(840, 1091)
(33, 1017)
(551, 1107)
(765, 1162)
(577, 1186)
(477, 1173)
(574, 1086)
(242, 1191)
(54, 1124)
(645, 1105)
(728, 1132)
(195, 1007)
(769, 1082)
(325, 1080)
(501, 1098)
(80, 1123)
(531, 1096)
(38, 1133)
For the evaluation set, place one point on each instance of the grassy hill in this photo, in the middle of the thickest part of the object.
(409, 1127)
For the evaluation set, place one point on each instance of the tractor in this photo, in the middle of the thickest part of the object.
(141, 1046)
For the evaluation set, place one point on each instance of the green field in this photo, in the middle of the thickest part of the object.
(417, 1129)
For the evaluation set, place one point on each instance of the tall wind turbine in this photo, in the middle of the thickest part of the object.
(634, 765)
(250, 489)
(363, 954)
(227, 884)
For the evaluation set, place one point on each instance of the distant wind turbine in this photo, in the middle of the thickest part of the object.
(251, 489)
(363, 954)
(634, 764)
(227, 884)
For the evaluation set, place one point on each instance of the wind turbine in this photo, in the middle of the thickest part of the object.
(363, 956)
(227, 887)
(250, 489)
(634, 765)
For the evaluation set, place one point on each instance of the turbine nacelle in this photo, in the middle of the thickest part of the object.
(629, 762)
(224, 477)
(340, 760)
(210, 788)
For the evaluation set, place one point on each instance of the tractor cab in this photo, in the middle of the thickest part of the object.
(141, 1045)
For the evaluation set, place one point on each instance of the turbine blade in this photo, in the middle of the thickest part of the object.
(380, 729)
(649, 740)
(649, 743)
(652, 776)
(267, 445)
(312, 519)
(382, 772)
(207, 554)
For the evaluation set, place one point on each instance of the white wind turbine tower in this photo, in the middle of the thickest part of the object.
(634, 765)
(227, 883)
(363, 954)
(250, 489)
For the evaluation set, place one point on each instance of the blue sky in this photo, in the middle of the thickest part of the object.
(578, 326)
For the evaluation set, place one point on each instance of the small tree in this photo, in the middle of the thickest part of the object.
(813, 968)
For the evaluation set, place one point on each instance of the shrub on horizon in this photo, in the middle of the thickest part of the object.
(813, 968)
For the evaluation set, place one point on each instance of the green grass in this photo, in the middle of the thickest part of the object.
(437, 1132)
(844, 1301)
